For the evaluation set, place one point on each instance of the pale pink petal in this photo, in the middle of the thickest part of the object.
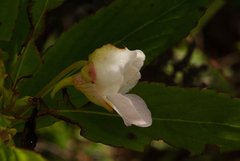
(110, 63)
(131, 77)
(91, 92)
(132, 109)
(141, 108)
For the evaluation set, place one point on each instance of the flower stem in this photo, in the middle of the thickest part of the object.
(64, 82)
(59, 76)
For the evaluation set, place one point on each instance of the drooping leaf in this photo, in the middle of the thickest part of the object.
(11, 153)
(9, 11)
(123, 22)
(30, 60)
(185, 118)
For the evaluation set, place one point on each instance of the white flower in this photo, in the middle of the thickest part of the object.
(110, 73)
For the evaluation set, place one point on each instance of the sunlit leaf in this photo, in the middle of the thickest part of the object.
(11, 153)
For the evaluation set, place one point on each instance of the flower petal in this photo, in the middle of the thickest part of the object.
(113, 88)
(141, 108)
(91, 91)
(132, 109)
(110, 62)
(88, 72)
(138, 62)
(130, 78)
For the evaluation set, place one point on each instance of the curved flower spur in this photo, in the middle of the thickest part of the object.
(106, 78)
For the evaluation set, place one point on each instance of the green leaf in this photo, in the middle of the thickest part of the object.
(2, 80)
(9, 12)
(77, 98)
(184, 118)
(20, 35)
(21, 31)
(27, 63)
(30, 60)
(42, 121)
(37, 10)
(2, 75)
(4, 55)
(4, 122)
(121, 23)
(11, 153)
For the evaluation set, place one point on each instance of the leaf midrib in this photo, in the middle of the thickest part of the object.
(29, 42)
(157, 119)
(147, 23)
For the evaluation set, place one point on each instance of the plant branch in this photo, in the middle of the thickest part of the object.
(61, 75)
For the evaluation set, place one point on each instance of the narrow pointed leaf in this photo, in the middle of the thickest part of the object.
(30, 61)
(184, 118)
(27, 63)
(9, 11)
(152, 26)
(20, 35)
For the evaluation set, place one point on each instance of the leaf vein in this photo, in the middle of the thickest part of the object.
(147, 23)
(157, 119)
